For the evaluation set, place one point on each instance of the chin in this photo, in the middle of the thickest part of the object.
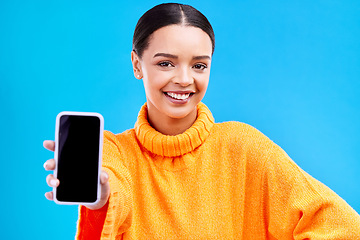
(180, 113)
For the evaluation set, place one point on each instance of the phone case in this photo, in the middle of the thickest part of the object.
(56, 153)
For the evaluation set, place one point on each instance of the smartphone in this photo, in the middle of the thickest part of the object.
(78, 154)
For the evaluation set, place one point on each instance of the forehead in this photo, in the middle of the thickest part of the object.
(179, 39)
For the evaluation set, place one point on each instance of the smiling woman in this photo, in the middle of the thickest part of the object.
(175, 69)
(180, 175)
(172, 49)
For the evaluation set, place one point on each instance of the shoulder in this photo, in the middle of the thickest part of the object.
(255, 145)
(123, 143)
(244, 140)
(241, 133)
(231, 126)
(126, 136)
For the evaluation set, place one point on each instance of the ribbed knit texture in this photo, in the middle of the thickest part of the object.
(172, 146)
(214, 181)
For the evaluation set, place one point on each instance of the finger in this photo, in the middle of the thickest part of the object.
(104, 177)
(52, 181)
(50, 165)
(49, 145)
(49, 196)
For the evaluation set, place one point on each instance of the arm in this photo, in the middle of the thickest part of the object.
(115, 217)
(297, 206)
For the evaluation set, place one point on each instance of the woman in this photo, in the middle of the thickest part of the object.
(179, 175)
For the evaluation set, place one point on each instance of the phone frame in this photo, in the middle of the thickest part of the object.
(56, 153)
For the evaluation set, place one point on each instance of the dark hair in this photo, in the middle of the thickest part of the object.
(167, 14)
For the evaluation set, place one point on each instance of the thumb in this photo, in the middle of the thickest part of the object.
(105, 191)
(104, 177)
(105, 186)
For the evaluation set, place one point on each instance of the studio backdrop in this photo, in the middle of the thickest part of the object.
(288, 68)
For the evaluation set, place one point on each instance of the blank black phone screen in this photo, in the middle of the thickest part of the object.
(78, 158)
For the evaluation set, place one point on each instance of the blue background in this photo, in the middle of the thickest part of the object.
(289, 68)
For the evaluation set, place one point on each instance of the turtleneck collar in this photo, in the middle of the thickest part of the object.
(173, 146)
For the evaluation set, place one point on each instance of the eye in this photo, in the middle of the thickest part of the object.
(200, 66)
(165, 64)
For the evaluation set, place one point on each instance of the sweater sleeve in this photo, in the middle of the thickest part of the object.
(115, 217)
(297, 206)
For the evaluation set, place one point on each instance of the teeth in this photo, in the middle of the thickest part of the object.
(178, 96)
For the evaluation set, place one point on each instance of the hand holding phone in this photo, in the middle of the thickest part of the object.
(77, 166)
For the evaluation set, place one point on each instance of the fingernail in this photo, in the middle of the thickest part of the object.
(53, 182)
(45, 165)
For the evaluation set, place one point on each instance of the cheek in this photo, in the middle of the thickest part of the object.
(202, 83)
(153, 79)
(154, 84)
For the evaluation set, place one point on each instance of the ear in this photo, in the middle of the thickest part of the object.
(136, 65)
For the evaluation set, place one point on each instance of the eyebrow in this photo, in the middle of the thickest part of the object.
(176, 57)
(202, 57)
(165, 55)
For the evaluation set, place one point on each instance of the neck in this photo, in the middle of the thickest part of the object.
(168, 125)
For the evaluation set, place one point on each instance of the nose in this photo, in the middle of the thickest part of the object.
(184, 77)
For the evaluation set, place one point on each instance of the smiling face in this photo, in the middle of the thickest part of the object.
(175, 68)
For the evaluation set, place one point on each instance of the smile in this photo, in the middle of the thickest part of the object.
(178, 96)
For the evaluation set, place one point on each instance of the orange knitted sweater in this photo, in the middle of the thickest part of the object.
(214, 181)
